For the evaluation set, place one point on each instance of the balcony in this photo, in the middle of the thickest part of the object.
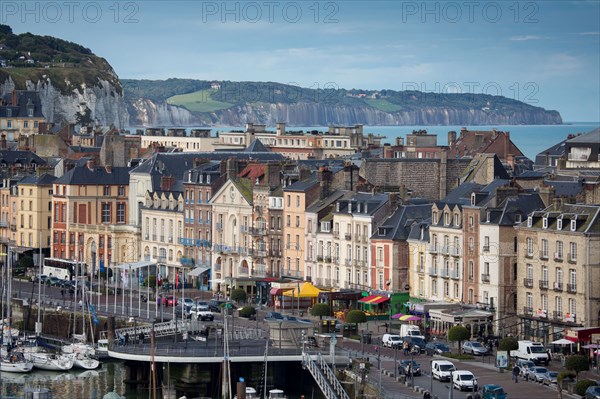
(529, 254)
(244, 229)
(243, 271)
(528, 311)
(485, 278)
(364, 239)
(572, 288)
(543, 284)
(185, 241)
(186, 261)
(260, 270)
(578, 157)
(420, 269)
(199, 221)
(528, 282)
(543, 254)
(328, 259)
(219, 226)
(454, 251)
(348, 262)
(558, 287)
(558, 256)
(557, 315)
(161, 259)
(319, 258)
(486, 248)
(570, 318)
(445, 273)
(258, 231)
(446, 250)
(432, 249)
(433, 271)
(348, 236)
(454, 275)
(572, 258)
(3, 223)
(217, 267)
(336, 234)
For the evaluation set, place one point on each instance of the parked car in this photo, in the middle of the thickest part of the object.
(474, 348)
(436, 348)
(536, 374)
(215, 305)
(391, 341)
(273, 316)
(592, 392)
(550, 378)
(53, 281)
(524, 366)
(169, 300)
(464, 379)
(416, 343)
(404, 367)
(493, 391)
(187, 302)
(39, 277)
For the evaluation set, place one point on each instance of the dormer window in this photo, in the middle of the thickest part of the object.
(456, 220)
(487, 216)
(545, 222)
(573, 224)
(529, 221)
(325, 227)
(446, 219)
(559, 224)
(435, 217)
(473, 199)
(518, 218)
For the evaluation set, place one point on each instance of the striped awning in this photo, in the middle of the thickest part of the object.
(197, 271)
(374, 299)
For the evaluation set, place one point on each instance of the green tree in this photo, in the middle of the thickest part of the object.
(458, 334)
(508, 344)
(320, 309)
(577, 363)
(356, 316)
(26, 262)
(247, 311)
(238, 295)
(84, 118)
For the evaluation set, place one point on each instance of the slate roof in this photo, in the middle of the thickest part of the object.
(566, 188)
(96, 176)
(587, 218)
(302, 185)
(399, 224)
(592, 137)
(83, 149)
(328, 201)
(256, 146)
(415, 231)
(20, 109)
(556, 151)
(368, 201)
(17, 156)
(177, 163)
(521, 204)
(43, 180)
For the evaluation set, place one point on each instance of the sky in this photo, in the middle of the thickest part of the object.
(545, 53)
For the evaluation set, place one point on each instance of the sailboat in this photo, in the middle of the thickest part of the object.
(10, 362)
(81, 353)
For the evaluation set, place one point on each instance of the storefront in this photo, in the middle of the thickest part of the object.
(477, 321)
(339, 301)
(381, 305)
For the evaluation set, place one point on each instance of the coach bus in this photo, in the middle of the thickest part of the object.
(63, 268)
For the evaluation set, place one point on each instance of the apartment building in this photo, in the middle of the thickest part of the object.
(354, 221)
(296, 198)
(34, 213)
(390, 237)
(20, 114)
(89, 217)
(162, 232)
(418, 242)
(8, 213)
(559, 269)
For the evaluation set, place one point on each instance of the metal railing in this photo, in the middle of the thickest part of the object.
(528, 282)
(324, 377)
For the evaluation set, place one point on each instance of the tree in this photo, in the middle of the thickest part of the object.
(247, 311)
(320, 309)
(356, 316)
(26, 262)
(508, 344)
(84, 118)
(577, 363)
(460, 334)
(238, 295)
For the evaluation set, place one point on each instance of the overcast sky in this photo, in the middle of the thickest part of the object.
(545, 53)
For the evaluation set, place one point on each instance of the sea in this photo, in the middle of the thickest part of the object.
(530, 139)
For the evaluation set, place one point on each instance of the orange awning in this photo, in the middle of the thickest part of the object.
(374, 299)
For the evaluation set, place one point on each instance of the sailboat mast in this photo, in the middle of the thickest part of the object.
(38, 326)
(75, 302)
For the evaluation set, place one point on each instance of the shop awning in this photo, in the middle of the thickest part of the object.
(307, 290)
(278, 291)
(374, 299)
(197, 271)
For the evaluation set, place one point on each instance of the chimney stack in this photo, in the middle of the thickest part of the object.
(324, 177)
(232, 168)
(451, 138)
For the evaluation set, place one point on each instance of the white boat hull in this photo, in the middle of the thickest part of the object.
(84, 362)
(45, 361)
(18, 367)
(79, 348)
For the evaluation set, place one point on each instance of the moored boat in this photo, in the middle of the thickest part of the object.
(15, 363)
(84, 361)
(49, 361)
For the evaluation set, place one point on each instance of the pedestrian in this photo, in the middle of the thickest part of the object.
(477, 395)
(405, 347)
(126, 338)
(141, 338)
(426, 395)
(515, 373)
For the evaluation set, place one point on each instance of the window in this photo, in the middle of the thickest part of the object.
(544, 248)
(529, 221)
(573, 277)
(434, 287)
(289, 200)
(558, 306)
(446, 289)
(559, 250)
(435, 217)
(518, 218)
(544, 222)
(471, 270)
(572, 307)
(455, 290)
(287, 221)
(544, 300)
(471, 221)
(573, 253)
(446, 219)
(105, 212)
(529, 301)
(106, 191)
(297, 201)
(559, 224)
(529, 271)
(471, 295)
(545, 274)
(529, 246)
(121, 191)
(121, 213)
(297, 221)
(559, 276)
(456, 220)
(573, 224)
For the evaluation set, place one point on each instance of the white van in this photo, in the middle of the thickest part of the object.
(392, 340)
(442, 369)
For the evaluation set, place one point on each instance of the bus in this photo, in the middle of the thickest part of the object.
(63, 268)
